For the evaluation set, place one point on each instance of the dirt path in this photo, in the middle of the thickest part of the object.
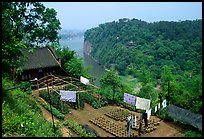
(165, 129)
(65, 132)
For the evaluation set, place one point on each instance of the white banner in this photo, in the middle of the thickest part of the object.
(148, 113)
(164, 103)
(130, 99)
(158, 106)
(155, 109)
(142, 103)
(68, 96)
(84, 80)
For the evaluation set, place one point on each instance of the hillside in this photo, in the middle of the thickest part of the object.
(150, 51)
(22, 116)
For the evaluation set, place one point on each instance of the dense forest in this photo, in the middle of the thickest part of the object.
(170, 51)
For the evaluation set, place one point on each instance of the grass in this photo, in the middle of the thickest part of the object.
(130, 82)
(22, 116)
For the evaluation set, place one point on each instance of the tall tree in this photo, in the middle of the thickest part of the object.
(112, 80)
(26, 25)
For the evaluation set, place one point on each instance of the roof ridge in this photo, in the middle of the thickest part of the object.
(53, 54)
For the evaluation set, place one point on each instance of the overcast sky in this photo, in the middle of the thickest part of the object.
(85, 15)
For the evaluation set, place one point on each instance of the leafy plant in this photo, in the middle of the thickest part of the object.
(78, 129)
(22, 116)
(54, 111)
(55, 101)
(193, 134)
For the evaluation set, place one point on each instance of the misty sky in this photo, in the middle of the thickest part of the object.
(85, 15)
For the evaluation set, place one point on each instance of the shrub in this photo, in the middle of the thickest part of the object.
(21, 115)
(193, 134)
(78, 129)
(55, 112)
(55, 101)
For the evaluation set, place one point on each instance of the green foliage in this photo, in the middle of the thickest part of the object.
(55, 101)
(148, 91)
(98, 104)
(77, 129)
(54, 111)
(193, 134)
(74, 67)
(88, 98)
(163, 114)
(150, 51)
(21, 115)
(166, 76)
(26, 25)
(111, 82)
(26, 87)
(71, 63)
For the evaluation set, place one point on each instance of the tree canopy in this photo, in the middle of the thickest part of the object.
(26, 25)
(164, 50)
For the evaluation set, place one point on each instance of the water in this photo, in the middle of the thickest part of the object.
(76, 44)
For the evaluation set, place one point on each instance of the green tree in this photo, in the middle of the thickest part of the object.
(74, 67)
(112, 80)
(166, 76)
(149, 92)
(26, 25)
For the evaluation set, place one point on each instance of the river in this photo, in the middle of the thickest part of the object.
(76, 44)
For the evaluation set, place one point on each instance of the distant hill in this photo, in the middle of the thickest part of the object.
(70, 34)
(135, 43)
(166, 50)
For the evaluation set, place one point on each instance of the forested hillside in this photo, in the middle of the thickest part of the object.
(149, 51)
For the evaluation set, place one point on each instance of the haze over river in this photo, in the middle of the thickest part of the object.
(76, 44)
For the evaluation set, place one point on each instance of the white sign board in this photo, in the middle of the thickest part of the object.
(148, 113)
(155, 109)
(164, 103)
(68, 96)
(158, 106)
(142, 103)
(84, 80)
(130, 99)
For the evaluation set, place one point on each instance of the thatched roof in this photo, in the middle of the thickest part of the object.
(40, 58)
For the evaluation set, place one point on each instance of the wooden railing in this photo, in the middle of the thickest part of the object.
(52, 80)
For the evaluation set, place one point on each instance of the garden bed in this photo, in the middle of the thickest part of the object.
(110, 126)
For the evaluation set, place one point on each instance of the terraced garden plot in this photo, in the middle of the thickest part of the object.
(110, 126)
(119, 115)
(152, 125)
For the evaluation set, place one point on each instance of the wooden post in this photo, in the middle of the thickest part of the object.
(78, 101)
(168, 92)
(50, 107)
(113, 95)
(37, 83)
(160, 99)
(62, 106)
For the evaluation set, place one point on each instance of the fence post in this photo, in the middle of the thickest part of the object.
(168, 92)
(50, 106)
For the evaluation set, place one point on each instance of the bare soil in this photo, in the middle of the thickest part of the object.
(83, 116)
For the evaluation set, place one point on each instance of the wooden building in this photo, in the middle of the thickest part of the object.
(39, 63)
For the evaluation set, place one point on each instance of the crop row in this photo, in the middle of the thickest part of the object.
(119, 115)
(55, 101)
(55, 112)
(77, 129)
(110, 126)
